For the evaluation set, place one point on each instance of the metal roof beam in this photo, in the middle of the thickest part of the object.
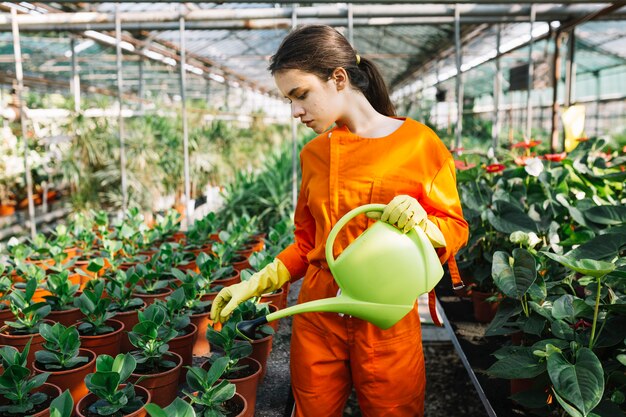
(261, 18)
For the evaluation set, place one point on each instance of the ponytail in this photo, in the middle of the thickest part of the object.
(375, 89)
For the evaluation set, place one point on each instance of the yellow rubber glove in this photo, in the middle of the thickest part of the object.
(405, 212)
(268, 279)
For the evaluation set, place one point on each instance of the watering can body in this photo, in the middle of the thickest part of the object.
(380, 274)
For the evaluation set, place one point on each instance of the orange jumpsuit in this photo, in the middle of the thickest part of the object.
(330, 353)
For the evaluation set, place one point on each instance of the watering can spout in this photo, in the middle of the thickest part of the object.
(380, 274)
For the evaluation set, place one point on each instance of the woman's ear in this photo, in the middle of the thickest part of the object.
(340, 76)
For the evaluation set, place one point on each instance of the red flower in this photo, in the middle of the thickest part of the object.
(462, 166)
(494, 168)
(555, 157)
(581, 323)
(526, 145)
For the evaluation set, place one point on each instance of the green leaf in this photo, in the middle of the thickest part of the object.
(509, 218)
(589, 267)
(62, 406)
(562, 330)
(507, 309)
(609, 215)
(520, 364)
(217, 370)
(603, 247)
(580, 384)
(156, 411)
(224, 391)
(124, 364)
(514, 281)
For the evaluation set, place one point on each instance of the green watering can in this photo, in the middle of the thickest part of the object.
(380, 274)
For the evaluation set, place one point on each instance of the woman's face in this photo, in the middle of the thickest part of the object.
(315, 102)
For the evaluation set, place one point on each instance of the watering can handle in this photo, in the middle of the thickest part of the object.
(330, 241)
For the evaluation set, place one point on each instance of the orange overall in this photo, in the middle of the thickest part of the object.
(331, 353)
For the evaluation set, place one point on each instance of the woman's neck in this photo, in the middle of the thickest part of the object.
(363, 120)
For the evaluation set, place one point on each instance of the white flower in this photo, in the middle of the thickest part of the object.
(533, 240)
(518, 237)
(490, 153)
(534, 166)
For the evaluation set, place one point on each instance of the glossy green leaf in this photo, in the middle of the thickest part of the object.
(514, 281)
(584, 266)
(607, 215)
(508, 219)
(62, 406)
(603, 247)
(521, 364)
(580, 384)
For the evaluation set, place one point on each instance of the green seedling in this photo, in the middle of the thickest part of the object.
(209, 395)
(94, 306)
(150, 337)
(60, 350)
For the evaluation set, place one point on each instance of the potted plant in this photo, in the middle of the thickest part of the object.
(20, 394)
(27, 316)
(263, 337)
(61, 299)
(151, 286)
(98, 331)
(179, 320)
(5, 288)
(241, 370)
(216, 267)
(25, 272)
(157, 368)
(212, 398)
(197, 303)
(110, 394)
(120, 287)
(63, 358)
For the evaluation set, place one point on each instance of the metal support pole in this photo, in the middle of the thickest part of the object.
(350, 25)
(570, 69)
(497, 93)
(459, 76)
(294, 134)
(75, 81)
(435, 115)
(120, 82)
(596, 75)
(183, 99)
(208, 89)
(529, 116)
(226, 95)
(555, 143)
(19, 75)
(142, 104)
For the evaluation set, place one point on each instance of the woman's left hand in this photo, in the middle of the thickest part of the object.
(403, 211)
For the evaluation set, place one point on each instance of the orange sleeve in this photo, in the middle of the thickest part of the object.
(444, 208)
(294, 256)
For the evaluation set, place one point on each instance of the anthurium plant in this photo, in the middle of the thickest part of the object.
(207, 396)
(16, 384)
(60, 349)
(105, 384)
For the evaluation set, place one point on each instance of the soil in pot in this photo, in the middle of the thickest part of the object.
(240, 262)
(235, 407)
(82, 408)
(40, 410)
(73, 378)
(225, 282)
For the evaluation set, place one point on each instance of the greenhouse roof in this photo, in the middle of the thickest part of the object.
(233, 41)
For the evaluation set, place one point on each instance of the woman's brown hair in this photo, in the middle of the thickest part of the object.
(319, 50)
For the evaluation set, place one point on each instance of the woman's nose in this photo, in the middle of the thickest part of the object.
(296, 110)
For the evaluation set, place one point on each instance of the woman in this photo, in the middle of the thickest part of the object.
(369, 156)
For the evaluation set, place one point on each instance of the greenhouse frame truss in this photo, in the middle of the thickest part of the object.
(191, 49)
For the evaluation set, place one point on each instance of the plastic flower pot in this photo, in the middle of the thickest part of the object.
(162, 386)
(201, 345)
(129, 318)
(261, 349)
(234, 279)
(183, 346)
(105, 344)
(66, 317)
(85, 402)
(150, 298)
(72, 379)
(19, 341)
